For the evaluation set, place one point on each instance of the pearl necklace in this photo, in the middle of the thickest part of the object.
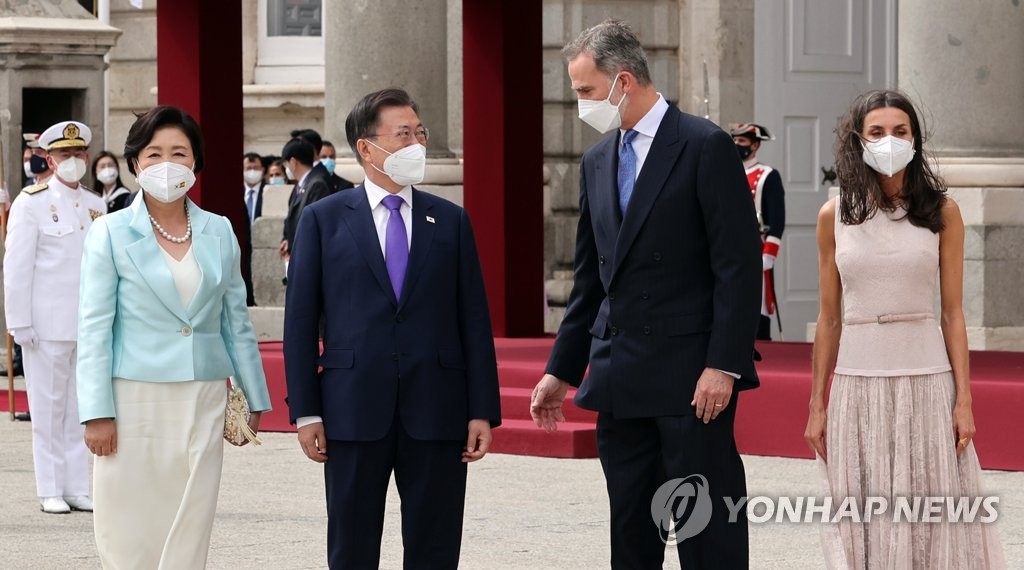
(169, 237)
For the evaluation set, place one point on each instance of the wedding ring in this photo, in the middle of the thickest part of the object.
(963, 442)
(718, 405)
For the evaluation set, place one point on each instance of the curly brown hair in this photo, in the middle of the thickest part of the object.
(861, 194)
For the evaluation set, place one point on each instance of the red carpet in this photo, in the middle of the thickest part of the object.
(20, 400)
(770, 420)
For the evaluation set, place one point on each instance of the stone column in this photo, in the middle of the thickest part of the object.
(392, 43)
(960, 62)
(388, 43)
(718, 34)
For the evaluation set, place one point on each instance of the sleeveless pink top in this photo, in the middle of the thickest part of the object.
(888, 269)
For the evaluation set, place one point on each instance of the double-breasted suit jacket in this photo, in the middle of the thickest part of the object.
(671, 288)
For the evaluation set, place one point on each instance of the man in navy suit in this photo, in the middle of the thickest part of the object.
(664, 307)
(252, 173)
(407, 379)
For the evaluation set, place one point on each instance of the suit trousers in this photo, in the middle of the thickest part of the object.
(431, 481)
(155, 498)
(59, 454)
(638, 455)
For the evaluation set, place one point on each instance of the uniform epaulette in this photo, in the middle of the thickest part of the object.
(35, 188)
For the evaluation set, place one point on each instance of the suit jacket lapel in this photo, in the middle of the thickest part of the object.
(149, 260)
(604, 200)
(665, 150)
(360, 224)
(206, 250)
(422, 237)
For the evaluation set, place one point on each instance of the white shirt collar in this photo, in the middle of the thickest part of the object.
(648, 125)
(303, 179)
(375, 194)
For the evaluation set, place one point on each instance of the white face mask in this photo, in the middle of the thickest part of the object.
(107, 175)
(167, 181)
(71, 169)
(277, 181)
(288, 173)
(28, 170)
(602, 115)
(889, 154)
(252, 176)
(406, 165)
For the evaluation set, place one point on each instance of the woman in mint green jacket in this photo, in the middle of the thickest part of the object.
(162, 325)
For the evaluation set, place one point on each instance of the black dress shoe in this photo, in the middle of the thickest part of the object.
(23, 417)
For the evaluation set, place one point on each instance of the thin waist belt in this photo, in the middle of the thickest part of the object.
(890, 318)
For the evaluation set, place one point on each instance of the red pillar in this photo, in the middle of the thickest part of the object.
(199, 69)
(503, 172)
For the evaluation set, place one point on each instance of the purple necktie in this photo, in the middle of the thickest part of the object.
(396, 244)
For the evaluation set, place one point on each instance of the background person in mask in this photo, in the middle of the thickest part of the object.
(880, 245)
(252, 177)
(276, 175)
(163, 324)
(311, 184)
(770, 204)
(336, 182)
(106, 176)
(43, 251)
(409, 382)
(664, 305)
(37, 169)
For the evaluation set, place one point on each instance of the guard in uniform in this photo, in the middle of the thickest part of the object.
(41, 276)
(770, 204)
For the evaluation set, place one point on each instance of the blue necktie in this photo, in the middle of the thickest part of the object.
(627, 169)
(250, 204)
(396, 244)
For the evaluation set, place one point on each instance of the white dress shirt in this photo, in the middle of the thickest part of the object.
(375, 196)
(646, 128)
(381, 214)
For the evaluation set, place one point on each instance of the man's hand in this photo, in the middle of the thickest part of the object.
(714, 390)
(546, 404)
(479, 441)
(25, 336)
(101, 436)
(282, 249)
(313, 441)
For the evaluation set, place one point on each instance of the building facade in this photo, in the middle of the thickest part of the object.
(793, 66)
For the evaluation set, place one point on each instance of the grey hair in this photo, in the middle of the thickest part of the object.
(614, 47)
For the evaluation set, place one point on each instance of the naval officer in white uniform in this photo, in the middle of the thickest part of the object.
(48, 222)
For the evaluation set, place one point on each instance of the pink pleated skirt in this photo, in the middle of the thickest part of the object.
(893, 437)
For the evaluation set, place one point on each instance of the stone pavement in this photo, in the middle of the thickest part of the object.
(521, 513)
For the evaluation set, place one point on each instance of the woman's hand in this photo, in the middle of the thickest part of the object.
(101, 436)
(814, 435)
(963, 425)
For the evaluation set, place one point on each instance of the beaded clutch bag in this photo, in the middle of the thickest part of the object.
(236, 418)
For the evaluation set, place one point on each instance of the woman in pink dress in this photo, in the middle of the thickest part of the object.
(898, 422)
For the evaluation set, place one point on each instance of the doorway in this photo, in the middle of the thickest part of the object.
(42, 107)
(810, 60)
